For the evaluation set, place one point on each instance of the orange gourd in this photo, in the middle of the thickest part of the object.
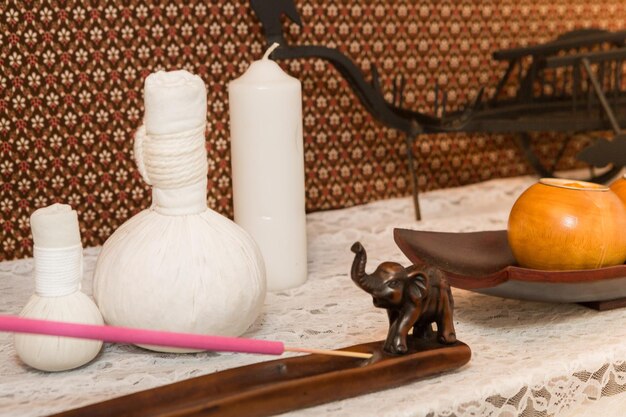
(559, 224)
(619, 187)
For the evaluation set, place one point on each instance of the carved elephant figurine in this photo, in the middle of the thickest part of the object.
(413, 297)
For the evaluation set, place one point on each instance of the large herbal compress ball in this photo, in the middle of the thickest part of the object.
(178, 266)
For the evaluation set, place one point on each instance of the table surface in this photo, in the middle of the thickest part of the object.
(528, 358)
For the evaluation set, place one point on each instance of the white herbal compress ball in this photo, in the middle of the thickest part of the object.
(58, 272)
(178, 266)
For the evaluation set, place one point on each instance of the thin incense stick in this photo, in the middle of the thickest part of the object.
(349, 353)
(156, 338)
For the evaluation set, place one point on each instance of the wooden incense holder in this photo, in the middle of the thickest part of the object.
(277, 386)
(414, 298)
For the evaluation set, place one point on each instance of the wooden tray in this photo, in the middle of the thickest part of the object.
(483, 262)
(281, 385)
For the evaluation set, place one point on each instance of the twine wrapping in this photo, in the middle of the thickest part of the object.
(171, 161)
(58, 271)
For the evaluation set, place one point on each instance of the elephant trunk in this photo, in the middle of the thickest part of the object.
(367, 283)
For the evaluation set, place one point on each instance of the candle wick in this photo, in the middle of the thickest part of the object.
(270, 50)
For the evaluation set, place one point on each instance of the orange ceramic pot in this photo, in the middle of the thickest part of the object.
(560, 224)
(619, 188)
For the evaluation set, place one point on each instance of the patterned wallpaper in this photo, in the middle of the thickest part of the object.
(71, 75)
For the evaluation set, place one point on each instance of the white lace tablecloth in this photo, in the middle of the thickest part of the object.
(529, 359)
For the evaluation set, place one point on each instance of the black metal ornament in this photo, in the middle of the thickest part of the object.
(270, 13)
(572, 84)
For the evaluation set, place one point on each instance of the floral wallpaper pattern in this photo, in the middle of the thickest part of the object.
(71, 75)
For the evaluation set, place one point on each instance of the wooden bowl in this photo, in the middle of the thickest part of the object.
(483, 262)
(619, 187)
(560, 224)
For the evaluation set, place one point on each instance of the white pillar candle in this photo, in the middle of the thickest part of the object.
(268, 168)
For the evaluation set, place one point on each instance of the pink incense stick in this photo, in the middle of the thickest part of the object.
(157, 338)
